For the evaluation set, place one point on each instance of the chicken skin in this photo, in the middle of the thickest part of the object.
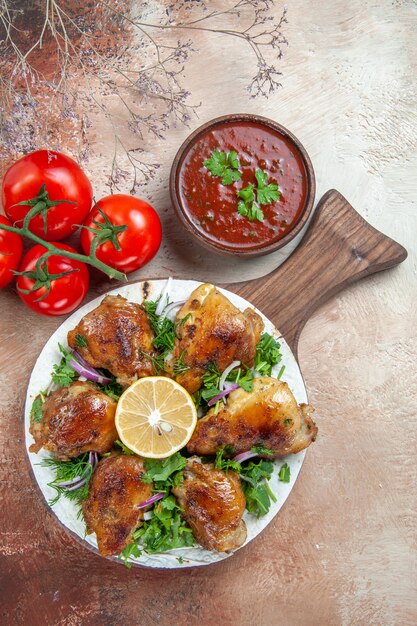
(117, 334)
(110, 509)
(75, 419)
(214, 332)
(213, 504)
(269, 416)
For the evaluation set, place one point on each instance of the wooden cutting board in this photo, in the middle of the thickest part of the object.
(339, 248)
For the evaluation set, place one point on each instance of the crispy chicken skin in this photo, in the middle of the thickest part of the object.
(110, 508)
(215, 332)
(213, 504)
(268, 415)
(75, 419)
(117, 333)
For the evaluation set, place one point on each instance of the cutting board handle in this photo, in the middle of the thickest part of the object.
(339, 248)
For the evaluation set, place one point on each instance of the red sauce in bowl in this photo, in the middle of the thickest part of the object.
(212, 207)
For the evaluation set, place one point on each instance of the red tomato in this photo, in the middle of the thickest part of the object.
(64, 180)
(11, 248)
(65, 294)
(138, 243)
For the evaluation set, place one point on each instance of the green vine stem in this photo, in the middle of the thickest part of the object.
(51, 249)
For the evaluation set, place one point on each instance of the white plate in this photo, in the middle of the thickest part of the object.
(66, 511)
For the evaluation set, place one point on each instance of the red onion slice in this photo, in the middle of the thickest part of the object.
(171, 307)
(223, 393)
(245, 456)
(226, 374)
(83, 369)
(149, 501)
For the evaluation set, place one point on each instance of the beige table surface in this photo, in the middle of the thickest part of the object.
(343, 549)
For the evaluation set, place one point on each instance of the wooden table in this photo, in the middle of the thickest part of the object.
(343, 548)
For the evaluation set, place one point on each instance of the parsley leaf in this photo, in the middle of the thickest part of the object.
(64, 374)
(225, 165)
(162, 470)
(285, 473)
(248, 206)
(257, 491)
(268, 354)
(266, 194)
(36, 410)
(260, 449)
(112, 389)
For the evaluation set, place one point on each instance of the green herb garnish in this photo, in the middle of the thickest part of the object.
(164, 331)
(248, 205)
(166, 530)
(125, 450)
(112, 389)
(257, 491)
(260, 449)
(210, 388)
(268, 354)
(36, 410)
(67, 470)
(252, 198)
(266, 193)
(254, 477)
(179, 366)
(224, 164)
(81, 341)
(285, 473)
(163, 472)
(64, 374)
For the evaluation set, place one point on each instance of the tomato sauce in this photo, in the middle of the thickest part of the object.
(212, 207)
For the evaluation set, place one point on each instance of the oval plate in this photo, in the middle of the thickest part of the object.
(67, 512)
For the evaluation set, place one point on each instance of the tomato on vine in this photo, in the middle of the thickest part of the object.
(54, 285)
(54, 183)
(127, 232)
(11, 248)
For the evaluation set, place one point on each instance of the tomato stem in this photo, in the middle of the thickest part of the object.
(53, 250)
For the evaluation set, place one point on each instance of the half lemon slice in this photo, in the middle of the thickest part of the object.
(155, 417)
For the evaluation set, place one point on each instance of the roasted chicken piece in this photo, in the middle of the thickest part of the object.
(214, 332)
(213, 504)
(269, 416)
(110, 509)
(117, 334)
(75, 419)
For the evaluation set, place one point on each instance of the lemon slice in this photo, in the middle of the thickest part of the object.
(155, 417)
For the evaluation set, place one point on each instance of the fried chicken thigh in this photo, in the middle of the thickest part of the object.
(75, 419)
(268, 415)
(214, 332)
(213, 504)
(110, 509)
(117, 334)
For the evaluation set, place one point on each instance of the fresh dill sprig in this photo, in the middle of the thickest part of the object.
(68, 470)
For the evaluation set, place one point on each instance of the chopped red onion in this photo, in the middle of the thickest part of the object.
(223, 393)
(151, 500)
(244, 456)
(83, 369)
(226, 374)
